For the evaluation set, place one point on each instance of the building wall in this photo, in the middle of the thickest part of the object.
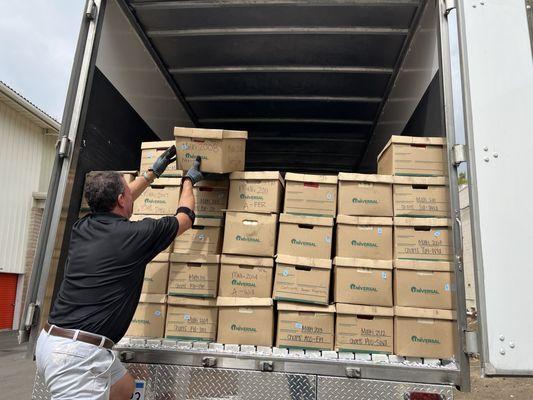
(25, 167)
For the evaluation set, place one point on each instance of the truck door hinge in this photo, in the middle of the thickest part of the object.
(471, 347)
(91, 11)
(450, 5)
(458, 154)
(63, 149)
(30, 315)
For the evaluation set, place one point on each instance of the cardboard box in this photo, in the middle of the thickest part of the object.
(193, 275)
(424, 284)
(136, 217)
(421, 332)
(364, 282)
(242, 276)
(161, 198)
(365, 195)
(205, 237)
(256, 191)
(252, 234)
(414, 156)
(149, 317)
(364, 329)
(305, 326)
(421, 197)
(314, 195)
(211, 197)
(304, 236)
(245, 321)
(427, 239)
(364, 237)
(191, 318)
(150, 151)
(156, 275)
(301, 279)
(222, 151)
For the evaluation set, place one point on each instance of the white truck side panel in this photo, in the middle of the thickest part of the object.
(498, 91)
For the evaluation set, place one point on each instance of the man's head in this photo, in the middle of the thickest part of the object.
(107, 191)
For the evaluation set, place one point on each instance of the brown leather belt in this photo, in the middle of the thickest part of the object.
(82, 336)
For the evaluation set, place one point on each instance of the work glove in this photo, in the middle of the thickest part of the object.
(163, 161)
(194, 173)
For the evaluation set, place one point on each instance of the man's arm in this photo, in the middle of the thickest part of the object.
(140, 184)
(187, 197)
(186, 200)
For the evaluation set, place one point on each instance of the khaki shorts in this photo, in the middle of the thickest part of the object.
(76, 370)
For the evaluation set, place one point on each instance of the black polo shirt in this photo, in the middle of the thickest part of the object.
(105, 269)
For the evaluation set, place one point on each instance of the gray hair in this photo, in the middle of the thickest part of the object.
(102, 189)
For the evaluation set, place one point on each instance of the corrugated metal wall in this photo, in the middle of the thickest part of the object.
(26, 158)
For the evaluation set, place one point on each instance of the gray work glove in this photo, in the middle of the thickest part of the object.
(163, 161)
(194, 173)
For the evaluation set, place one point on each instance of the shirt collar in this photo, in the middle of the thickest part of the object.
(108, 215)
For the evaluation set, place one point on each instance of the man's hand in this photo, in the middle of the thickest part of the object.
(194, 173)
(163, 161)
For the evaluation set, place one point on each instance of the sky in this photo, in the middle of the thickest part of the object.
(37, 44)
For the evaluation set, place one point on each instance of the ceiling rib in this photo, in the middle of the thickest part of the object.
(285, 120)
(346, 99)
(281, 69)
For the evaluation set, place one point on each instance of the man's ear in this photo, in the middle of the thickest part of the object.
(121, 201)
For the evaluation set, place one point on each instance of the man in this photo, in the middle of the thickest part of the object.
(102, 284)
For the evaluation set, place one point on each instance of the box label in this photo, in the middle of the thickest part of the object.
(306, 330)
(374, 335)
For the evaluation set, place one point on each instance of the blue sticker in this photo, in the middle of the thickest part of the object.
(185, 146)
(298, 325)
(383, 275)
(447, 287)
(437, 233)
(186, 317)
(201, 236)
(380, 231)
(157, 313)
(285, 272)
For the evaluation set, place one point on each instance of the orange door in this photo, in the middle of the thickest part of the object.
(8, 292)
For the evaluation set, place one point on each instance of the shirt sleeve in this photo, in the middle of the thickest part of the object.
(157, 234)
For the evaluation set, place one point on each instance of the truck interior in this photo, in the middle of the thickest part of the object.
(320, 85)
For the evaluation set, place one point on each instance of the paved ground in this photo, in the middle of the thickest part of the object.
(16, 372)
(17, 375)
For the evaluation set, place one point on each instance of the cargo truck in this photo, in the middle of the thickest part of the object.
(320, 85)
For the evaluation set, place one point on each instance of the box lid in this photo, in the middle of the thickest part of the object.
(428, 141)
(286, 306)
(420, 265)
(140, 217)
(153, 298)
(362, 263)
(421, 180)
(353, 309)
(191, 301)
(251, 215)
(406, 221)
(304, 261)
(347, 219)
(213, 184)
(257, 176)
(168, 181)
(207, 222)
(195, 258)
(164, 144)
(209, 133)
(330, 179)
(133, 172)
(424, 313)
(248, 260)
(161, 257)
(373, 178)
(244, 302)
(307, 220)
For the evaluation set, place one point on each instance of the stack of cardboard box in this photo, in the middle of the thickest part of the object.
(246, 313)
(423, 249)
(363, 264)
(303, 263)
